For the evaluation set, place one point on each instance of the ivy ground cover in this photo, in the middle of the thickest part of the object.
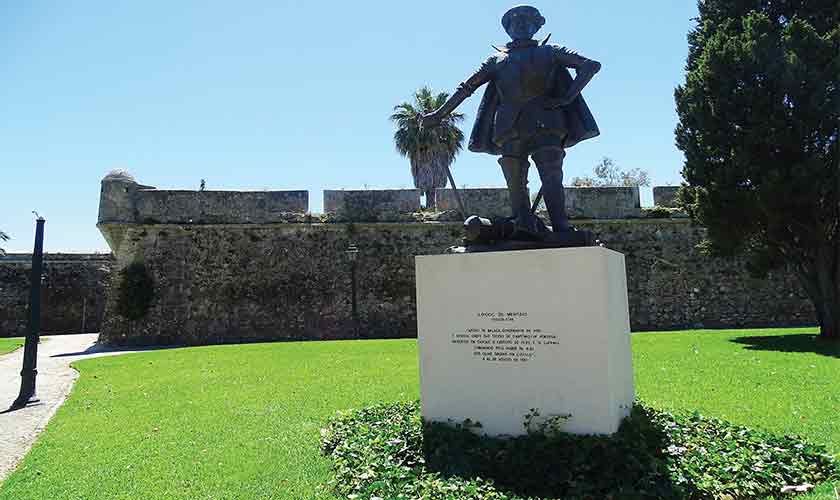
(243, 421)
(387, 451)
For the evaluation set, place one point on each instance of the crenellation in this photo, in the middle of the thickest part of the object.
(123, 200)
(665, 196)
(214, 207)
(603, 202)
(371, 204)
(487, 202)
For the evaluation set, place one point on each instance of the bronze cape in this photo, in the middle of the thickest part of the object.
(579, 120)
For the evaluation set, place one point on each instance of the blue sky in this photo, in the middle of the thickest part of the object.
(288, 95)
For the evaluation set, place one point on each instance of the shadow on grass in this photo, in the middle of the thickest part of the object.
(628, 464)
(791, 343)
(104, 349)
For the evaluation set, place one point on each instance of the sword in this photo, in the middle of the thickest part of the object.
(537, 200)
(457, 194)
(452, 182)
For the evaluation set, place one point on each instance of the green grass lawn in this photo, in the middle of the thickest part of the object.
(8, 345)
(242, 421)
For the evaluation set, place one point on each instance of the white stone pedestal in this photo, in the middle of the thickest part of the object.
(501, 333)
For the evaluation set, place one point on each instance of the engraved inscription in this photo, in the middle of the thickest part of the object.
(504, 344)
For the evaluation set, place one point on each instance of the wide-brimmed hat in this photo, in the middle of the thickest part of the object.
(520, 8)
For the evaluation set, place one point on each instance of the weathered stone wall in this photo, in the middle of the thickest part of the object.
(72, 292)
(581, 203)
(603, 202)
(671, 285)
(265, 273)
(371, 204)
(487, 202)
(232, 283)
(208, 207)
(277, 276)
(123, 200)
(665, 196)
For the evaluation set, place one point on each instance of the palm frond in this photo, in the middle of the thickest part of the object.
(3, 237)
(430, 151)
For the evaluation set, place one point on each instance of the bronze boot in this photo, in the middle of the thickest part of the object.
(516, 175)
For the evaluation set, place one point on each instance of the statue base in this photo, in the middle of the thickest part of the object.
(515, 340)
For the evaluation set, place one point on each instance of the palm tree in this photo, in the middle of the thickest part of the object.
(430, 151)
(3, 237)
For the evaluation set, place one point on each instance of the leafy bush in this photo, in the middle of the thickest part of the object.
(387, 451)
(136, 292)
(660, 212)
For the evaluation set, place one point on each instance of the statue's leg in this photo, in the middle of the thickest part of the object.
(549, 160)
(516, 174)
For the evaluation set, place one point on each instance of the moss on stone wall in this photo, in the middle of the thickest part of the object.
(135, 292)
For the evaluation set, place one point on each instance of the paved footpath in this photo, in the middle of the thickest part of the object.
(20, 428)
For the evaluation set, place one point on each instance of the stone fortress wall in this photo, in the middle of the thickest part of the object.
(232, 267)
(73, 292)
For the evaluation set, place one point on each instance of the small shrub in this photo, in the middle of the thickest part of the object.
(659, 212)
(387, 451)
(135, 293)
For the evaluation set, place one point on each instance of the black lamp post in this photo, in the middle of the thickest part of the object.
(30, 349)
(352, 253)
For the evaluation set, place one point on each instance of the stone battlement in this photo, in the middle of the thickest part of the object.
(371, 204)
(124, 200)
(581, 203)
(487, 202)
(665, 196)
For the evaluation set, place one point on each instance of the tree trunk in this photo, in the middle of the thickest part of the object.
(830, 327)
(819, 278)
(431, 202)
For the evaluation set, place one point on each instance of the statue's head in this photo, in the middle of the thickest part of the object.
(522, 22)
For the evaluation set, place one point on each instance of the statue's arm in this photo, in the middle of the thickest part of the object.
(464, 90)
(585, 70)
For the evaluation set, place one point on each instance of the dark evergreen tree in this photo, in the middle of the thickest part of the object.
(758, 123)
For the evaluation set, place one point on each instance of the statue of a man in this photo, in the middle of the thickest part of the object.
(532, 107)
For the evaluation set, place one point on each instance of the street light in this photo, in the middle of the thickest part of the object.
(30, 348)
(352, 253)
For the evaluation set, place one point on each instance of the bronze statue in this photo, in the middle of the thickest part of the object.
(532, 107)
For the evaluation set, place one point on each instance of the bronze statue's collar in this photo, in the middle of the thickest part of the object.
(521, 44)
